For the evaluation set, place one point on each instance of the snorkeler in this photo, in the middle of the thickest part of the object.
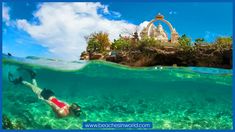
(62, 109)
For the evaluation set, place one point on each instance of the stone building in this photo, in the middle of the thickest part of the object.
(158, 32)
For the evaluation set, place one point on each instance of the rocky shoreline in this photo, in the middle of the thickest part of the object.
(148, 51)
(199, 55)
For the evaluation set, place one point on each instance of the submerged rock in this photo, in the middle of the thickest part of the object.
(8, 124)
(18, 125)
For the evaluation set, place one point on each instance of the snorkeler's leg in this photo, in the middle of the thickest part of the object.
(34, 81)
(32, 74)
(19, 80)
(34, 88)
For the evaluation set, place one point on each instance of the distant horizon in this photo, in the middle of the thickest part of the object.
(13, 55)
(57, 30)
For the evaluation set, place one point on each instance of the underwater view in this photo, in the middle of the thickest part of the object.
(169, 97)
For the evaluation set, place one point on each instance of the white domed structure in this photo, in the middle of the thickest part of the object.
(152, 31)
(158, 32)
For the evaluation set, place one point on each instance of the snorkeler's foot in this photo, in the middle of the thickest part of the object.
(32, 74)
(14, 80)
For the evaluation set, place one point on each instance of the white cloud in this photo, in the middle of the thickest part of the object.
(62, 26)
(116, 14)
(5, 14)
(106, 10)
(142, 25)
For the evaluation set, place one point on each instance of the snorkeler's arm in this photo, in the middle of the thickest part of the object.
(51, 104)
(61, 112)
(57, 109)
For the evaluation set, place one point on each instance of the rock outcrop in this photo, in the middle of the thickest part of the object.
(205, 56)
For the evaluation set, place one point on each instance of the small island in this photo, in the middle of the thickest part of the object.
(152, 47)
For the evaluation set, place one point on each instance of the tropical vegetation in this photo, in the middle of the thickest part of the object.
(149, 51)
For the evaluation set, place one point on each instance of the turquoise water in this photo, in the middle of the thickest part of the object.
(169, 97)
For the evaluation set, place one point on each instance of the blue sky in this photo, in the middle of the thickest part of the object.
(58, 30)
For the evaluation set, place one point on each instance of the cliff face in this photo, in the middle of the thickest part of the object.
(205, 56)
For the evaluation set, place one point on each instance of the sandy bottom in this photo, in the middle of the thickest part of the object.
(166, 112)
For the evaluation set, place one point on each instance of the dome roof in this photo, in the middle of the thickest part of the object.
(159, 27)
(159, 16)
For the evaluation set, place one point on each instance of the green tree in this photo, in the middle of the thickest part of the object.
(223, 40)
(148, 41)
(98, 42)
(199, 40)
(121, 44)
(184, 40)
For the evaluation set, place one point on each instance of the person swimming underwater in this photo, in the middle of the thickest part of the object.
(61, 109)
